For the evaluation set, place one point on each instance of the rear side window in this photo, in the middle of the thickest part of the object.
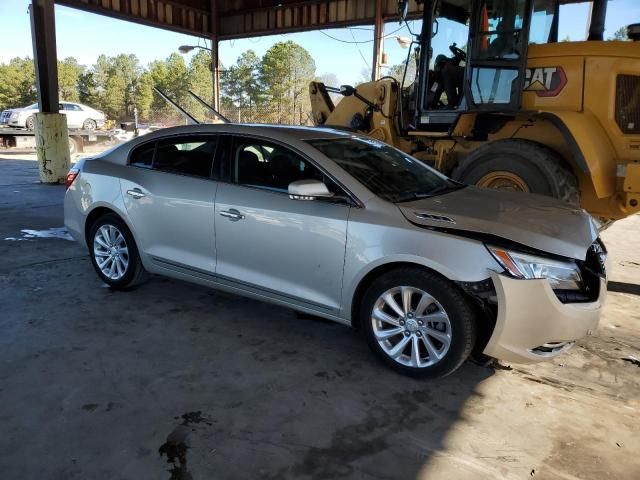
(192, 155)
(143, 156)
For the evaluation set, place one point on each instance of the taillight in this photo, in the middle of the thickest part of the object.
(71, 176)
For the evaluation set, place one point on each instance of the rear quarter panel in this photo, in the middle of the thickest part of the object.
(97, 186)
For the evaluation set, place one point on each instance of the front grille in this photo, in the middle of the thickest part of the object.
(628, 103)
(4, 116)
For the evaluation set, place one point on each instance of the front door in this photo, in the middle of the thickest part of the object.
(169, 194)
(267, 241)
(499, 37)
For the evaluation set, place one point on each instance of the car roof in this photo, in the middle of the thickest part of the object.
(277, 132)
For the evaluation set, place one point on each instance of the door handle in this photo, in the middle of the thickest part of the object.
(233, 214)
(135, 193)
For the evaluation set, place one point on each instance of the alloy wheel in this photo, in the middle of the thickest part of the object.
(111, 252)
(411, 327)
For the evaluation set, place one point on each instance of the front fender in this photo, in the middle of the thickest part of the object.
(592, 151)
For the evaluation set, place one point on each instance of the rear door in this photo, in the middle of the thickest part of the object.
(269, 242)
(169, 195)
(73, 114)
(499, 36)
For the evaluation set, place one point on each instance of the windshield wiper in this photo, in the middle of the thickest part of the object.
(450, 186)
(412, 196)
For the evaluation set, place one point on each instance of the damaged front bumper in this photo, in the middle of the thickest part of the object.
(532, 324)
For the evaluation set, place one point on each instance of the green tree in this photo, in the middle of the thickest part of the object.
(172, 77)
(114, 85)
(200, 76)
(88, 88)
(240, 84)
(17, 85)
(69, 71)
(286, 70)
(620, 34)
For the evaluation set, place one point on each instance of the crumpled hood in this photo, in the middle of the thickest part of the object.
(539, 222)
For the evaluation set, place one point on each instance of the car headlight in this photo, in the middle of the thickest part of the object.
(14, 116)
(560, 274)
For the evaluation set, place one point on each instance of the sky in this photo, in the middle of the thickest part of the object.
(85, 36)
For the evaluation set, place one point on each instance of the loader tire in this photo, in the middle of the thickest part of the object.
(519, 165)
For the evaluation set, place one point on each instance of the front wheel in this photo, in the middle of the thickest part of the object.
(29, 123)
(114, 253)
(521, 166)
(89, 124)
(418, 323)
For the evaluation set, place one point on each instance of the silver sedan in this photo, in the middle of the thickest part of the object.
(347, 228)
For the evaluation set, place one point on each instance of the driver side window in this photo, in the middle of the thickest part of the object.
(450, 32)
(270, 166)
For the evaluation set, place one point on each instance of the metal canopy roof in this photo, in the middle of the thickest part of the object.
(243, 18)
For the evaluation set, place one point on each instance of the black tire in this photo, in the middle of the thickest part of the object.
(134, 273)
(542, 170)
(28, 123)
(73, 145)
(89, 124)
(460, 315)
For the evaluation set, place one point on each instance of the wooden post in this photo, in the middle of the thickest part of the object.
(378, 42)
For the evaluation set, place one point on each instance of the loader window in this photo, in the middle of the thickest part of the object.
(500, 29)
(448, 54)
(493, 85)
(498, 54)
(542, 21)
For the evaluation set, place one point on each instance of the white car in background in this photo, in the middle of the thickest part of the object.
(78, 116)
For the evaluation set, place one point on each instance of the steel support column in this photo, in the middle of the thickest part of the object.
(215, 63)
(596, 21)
(378, 42)
(43, 37)
(52, 138)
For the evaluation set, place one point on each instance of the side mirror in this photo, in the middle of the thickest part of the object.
(308, 190)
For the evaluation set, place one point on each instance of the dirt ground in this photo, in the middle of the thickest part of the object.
(175, 381)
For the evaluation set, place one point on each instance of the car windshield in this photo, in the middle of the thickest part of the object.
(32, 106)
(387, 172)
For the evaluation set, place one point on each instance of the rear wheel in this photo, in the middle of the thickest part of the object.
(89, 124)
(114, 253)
(73, 145)
(418, 323)
(519, 165)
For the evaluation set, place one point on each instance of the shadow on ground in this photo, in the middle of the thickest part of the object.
(177, 381)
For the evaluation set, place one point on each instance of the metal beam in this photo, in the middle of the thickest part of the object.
(43, 36)
(597, 18)
(245, 18)
(215, 63)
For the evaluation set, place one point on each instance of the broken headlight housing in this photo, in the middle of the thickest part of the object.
(561, 274)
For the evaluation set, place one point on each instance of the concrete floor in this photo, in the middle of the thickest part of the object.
(93, 383)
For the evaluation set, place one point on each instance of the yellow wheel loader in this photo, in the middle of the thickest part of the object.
(513, 108)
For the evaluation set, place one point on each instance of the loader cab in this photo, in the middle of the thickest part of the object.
(472, 58)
